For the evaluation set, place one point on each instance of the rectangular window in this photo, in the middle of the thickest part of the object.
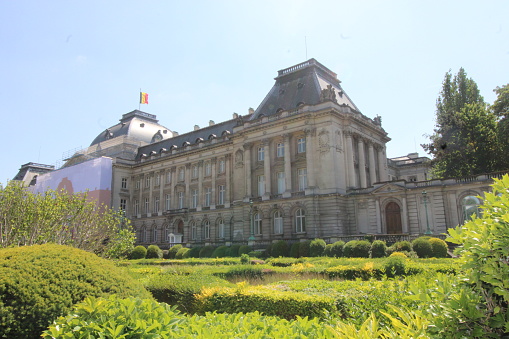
(257, 224)
(156, 204)
(123, 204)
(168, 177)
(147, 205)
(158, 180)
(181, 199)
(261, 153)
(147, 181)
(220, 229)
(301, 145)
(303, 178)
(137, 184)
(182, 174)
(261, 185)
(124, 183)
(221, 166)
(280, 150)
(194, 196)
(208, 196)
(281, 182)
(195, 172)
(136, 207)
(208, 169)
(220, 194)
(167, 201)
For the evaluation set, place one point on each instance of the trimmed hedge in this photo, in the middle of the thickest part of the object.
(172, 252)
(279, 249)
(357, 249)
(378, 249)
(41, 282)
(182, 253)
(316, 248)
(304, 248)
(206, 251)
(139, 252)
(194, 252)
(438, 247)
(154, 252)
(220, 252)
(244, 249)
(337, 249)
(294, 250)
(422, 247)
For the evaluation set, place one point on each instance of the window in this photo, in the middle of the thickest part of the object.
(301, 145)
(167, 202)
(470, 206)
(136, 207)
(158, 180)
(182, 174)
(147, 181)
(280, 150)
(208, 169)
(124, 183)
(208, 196)
(278, 223)
(194, 198)
(181, 199)
(302, 174)
(206, 229)
(281, 187)
(147, 205)
(166, 235)
(220, 194)
(168, 177)
(412, 178)
(154, 235)
(138, 184)
(194, 231)
(221, 166)
(261, 153)
(220, 229)
(123, 204)
(261, 185)
(300, 221)
(195, 172)
(156, 204)
(257, 220)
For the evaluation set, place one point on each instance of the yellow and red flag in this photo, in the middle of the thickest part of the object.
(143, 98)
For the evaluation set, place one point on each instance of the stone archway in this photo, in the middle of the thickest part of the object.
(393, 218)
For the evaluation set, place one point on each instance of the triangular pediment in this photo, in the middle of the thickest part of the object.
(388, 188)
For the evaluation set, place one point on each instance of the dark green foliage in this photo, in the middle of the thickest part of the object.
(316, 248)
(357, 249)
(337, 249)
(394, 266)
(422, 247)
(154, 252)
(220, 252)
(279, 249)
(327, 250)
(378, 249)
(183, 253)
(261, 254)
(304, 248)
(139, 252)
(194, 252)
(294, 250)
(41, 282)
(234, 251)
(402, 246)
(244, 249)
(206, 251)
(501, 109)
(438, 248)
(166, 254)
(172, 252)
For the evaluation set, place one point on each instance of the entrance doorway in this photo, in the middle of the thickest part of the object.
(393, 218)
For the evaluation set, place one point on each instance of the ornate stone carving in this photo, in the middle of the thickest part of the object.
(323, 141)
(239, 157)
(378, 120)
(328, 94)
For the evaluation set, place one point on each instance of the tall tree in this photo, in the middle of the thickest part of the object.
(501, 109)
(464, 141)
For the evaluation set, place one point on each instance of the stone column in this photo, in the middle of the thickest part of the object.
(141, 204)
(309, 157)
(213, 163)
(227, 160)
(362, 163)
(161, 195)
(173, 182)
(350, 160)
(382, 164)
(288, 167)
(404, 216)
(372, 163)
(378, 217)
(266, 169)
(200, 186)
(247, 169)
(187, 180)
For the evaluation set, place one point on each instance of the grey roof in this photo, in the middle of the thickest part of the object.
(138, 125)
(303, 84)
(33, 167)
(206, 133)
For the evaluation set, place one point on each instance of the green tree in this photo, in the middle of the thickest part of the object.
(464, 141)
(501, 109)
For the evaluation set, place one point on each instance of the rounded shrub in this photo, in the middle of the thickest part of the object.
(378, 249)
(279, 249)
(172, 252)
(294, 250)
(244, 249)
(398, 254)
(394, 266)
(42, 282)
(244, 258)
(234, 251)
(438, 247)
(139, 252)
(194, 252)
(337, 249)
(220, 252)
(182, 253)
(154, 252)
(166, 254)
(422, 247)
(327, 250)
(206, 251)
(304, 248)
(357, 249)
(317, 247)
(401, 246)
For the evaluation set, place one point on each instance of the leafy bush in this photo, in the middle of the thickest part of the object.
(422, 247)
(294, 250)
(378, 249)
(194, 252)
(257, 254)
(316, 248)
(357, 249)
(337, 249)
(206, 251)
(304, 248)
(327, 250)
(234, 251)
(154, 252)
(402, 246)
(172, 252)
(122, 244)
(139, 252)
(284, 262)
(279, 249)
(182, 253)
(220, 252)
(394, 266)
(438, 248)
(244, 258)
(41, 282)
(244, 249)
(398, 254)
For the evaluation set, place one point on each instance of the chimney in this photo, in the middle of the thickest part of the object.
(250, 110)
(235, 115)
(211, 123)
(196, 127)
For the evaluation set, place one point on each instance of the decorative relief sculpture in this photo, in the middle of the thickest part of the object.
(328, 94)
(323, 141)
(378, 120)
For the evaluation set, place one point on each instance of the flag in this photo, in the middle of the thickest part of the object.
(143, 98)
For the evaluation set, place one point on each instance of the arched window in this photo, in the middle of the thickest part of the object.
(220, 229)
(194, 231)
(278, 222)
(257, 219)
(206, 229)
(154, 235)
(470, 206)
(166, 235)
(300, 221)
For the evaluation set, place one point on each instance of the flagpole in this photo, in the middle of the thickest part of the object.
(139, 101)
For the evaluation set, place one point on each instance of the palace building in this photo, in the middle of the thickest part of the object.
(305, 164)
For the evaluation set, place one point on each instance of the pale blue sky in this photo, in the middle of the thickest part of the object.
(70, 69)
